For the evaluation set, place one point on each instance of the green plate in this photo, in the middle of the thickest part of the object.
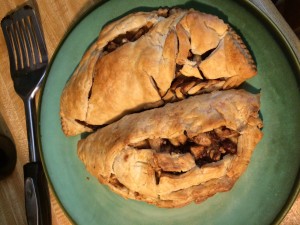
(265, 191)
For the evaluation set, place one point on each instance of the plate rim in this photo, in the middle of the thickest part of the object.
(267, 23)
(288, 49)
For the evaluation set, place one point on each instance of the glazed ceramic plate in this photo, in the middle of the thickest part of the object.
(263, 193)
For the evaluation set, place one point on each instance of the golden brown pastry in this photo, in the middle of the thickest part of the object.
(182, 152)
(149, 58)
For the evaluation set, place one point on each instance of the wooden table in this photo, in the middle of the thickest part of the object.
(57, 16)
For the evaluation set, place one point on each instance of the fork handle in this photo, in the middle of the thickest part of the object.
(32, 129)
(37, 201)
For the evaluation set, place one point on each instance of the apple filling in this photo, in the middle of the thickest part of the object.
(179, 155)
(129, 36)
(163, 158)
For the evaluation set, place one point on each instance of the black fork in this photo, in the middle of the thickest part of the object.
(28, 62)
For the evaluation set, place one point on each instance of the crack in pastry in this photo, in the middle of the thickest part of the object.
(137, 58)
(179, 153)
(129, 36)
(92, 127)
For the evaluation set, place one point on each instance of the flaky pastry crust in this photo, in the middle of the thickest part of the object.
(112, 156)
(137, 58)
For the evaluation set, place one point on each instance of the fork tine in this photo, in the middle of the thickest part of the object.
(22, 44)
(15, 45)
(26, 36)
(35, 34)
(12, 43)
(27, 16)
(39, 37)
(33, 39)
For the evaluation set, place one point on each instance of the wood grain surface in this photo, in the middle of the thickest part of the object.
(56, 16)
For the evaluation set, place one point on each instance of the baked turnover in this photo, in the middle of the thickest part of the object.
(179, 153)
(147, 59)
